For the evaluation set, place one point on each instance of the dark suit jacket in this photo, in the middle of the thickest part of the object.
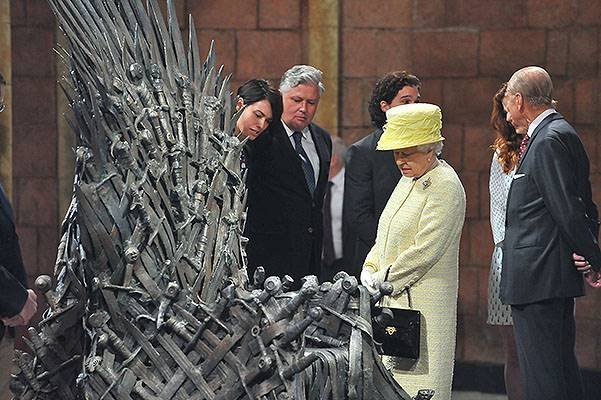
(370, 178)
(550, 214)
(284, 224)
(13, 280)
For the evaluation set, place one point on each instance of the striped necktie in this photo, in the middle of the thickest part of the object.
(307, 167)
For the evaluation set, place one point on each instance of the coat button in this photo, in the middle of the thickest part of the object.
(310, 230)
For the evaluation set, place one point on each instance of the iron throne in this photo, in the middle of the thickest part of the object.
(150, 298)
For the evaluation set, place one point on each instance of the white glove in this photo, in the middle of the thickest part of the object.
(368, 279)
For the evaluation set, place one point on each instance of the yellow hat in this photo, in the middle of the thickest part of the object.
(411, 125)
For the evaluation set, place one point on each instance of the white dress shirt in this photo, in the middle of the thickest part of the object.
(536, 122)
(337, 194)
(308, 146)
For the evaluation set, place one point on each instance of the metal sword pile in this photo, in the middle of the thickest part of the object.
(150, 298)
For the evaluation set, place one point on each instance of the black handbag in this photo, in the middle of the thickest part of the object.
(397, 330)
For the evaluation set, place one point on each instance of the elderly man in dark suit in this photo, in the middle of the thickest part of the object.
(287, 178)
(372, 175)
(17, 303)
(550, 216)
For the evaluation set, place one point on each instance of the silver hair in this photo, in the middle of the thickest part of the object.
(300, 75)
(339, 148)
(534, 84)
(436, 147)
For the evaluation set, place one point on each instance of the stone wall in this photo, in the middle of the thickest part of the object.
(461, 49)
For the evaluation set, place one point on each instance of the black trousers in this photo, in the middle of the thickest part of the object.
(545, 335)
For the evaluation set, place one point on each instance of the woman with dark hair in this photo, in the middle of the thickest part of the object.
(261, 103)
(505, 159)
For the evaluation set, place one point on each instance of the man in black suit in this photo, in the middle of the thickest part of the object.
(550, 216)
(287, 177)
(17, 303)
(372, 175)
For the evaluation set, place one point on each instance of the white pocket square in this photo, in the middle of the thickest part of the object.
(518, 176)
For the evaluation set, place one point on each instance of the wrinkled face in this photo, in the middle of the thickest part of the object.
(255, 118)
(413, 163)
(513, 105)
(407, 95)
(300, 105)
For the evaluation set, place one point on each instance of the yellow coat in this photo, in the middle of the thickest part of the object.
(418, 238)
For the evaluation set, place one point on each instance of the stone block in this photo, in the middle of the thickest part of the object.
(359, 53)
(430, 13)
(431, 91)
(483, 343)
(225, 47)
(469, 101)
(586, 99)
(481, 243)
(34, 151)
(377, 14)
(588, 135)
(557, 52)
(503, 52)
(452, 151)
(393, 51)
(354, 103)
(47, 249)
(464, 245)
(235, 14)
(469, 290)
(28, 241)
(477, 153)
(352, 135)
(484, 195)
(589, 13)
(471, 184)
(563, 92)
(446, 54)
(32, 52)
(485, 14)
(266, 53)
(588, 344)
(34, 101)
(584, 53)
(279, 14)
(37, 202)
(39, 13)
(18, 13)
(550, 13)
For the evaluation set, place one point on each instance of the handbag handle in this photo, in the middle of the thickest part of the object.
(406, 289)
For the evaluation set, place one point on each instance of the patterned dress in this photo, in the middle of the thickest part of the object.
(498, 313)
(418, 239)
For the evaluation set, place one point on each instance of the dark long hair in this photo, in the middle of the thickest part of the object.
(259, 89)
(507, 141)
(386, 89)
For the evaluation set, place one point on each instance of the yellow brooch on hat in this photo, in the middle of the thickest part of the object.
(411, 125)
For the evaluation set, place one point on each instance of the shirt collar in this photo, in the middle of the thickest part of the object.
(290, 132)
(536, 122)
(338, 179)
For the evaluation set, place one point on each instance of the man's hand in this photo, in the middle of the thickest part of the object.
(591, 277)
(28, 310)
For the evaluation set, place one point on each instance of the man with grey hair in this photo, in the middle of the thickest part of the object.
(287, 179)
(336, 246)
(550, 217)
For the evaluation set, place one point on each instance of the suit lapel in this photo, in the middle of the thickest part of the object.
(322, 153)
(546, 121)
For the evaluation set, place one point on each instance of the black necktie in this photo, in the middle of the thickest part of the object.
(329, 254)
(307, 167)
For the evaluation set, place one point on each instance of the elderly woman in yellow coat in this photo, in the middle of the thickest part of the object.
(417, 244)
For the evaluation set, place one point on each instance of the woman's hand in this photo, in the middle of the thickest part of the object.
(368, 279)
